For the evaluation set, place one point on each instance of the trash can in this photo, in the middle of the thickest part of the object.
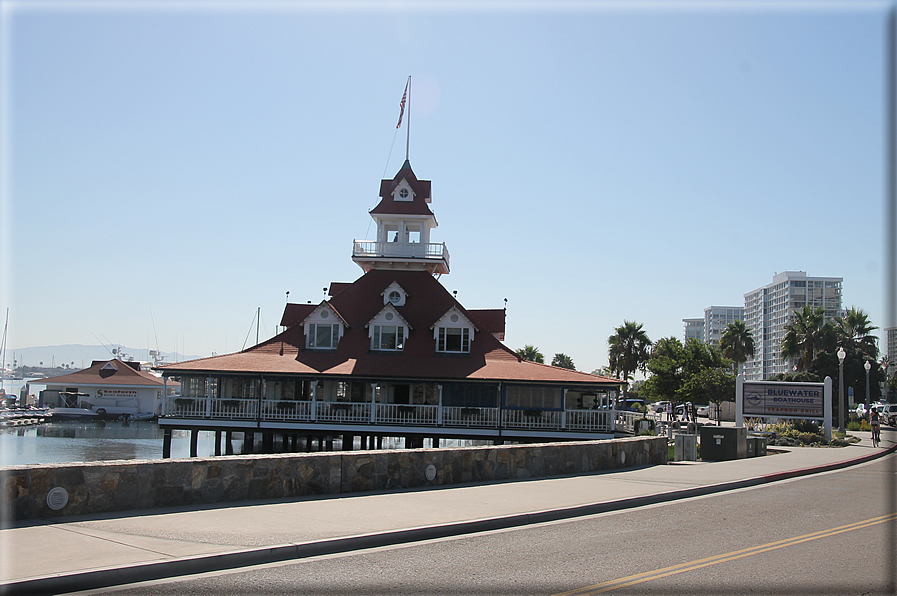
(719, 443)
(686, 448)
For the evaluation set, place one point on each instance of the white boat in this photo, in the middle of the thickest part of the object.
(72, 414)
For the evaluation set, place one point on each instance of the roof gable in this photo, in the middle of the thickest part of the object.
(392, 204)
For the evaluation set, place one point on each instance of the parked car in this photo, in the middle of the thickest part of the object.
(888, 414)
(861, 411)
(633, 405)
(704, 411)
(660, 406)
(679, 410)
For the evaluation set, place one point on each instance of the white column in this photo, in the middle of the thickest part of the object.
(439, 411)
(373, 402)
(314, 400)
(564, 411)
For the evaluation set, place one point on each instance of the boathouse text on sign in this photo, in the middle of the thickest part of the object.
(784, 400)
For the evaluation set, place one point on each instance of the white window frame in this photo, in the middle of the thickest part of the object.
(377, 338)
(311, 332)
(442, 335)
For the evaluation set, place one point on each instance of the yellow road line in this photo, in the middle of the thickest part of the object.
(716, 559)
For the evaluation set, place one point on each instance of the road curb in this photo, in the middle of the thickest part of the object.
(114, 576)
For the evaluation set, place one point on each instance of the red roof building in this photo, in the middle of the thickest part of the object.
(392, 354)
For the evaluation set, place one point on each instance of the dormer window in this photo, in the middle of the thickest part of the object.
(388, 337)
(388, 330)
(453, 339)
(403, 192)
(323, 328)
(453, 333)
(394, 294)
(322, 335)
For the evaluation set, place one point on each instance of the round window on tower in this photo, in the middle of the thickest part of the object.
(395, 297)
(403, 193)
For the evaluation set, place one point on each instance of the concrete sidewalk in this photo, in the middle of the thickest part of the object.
(80, 553)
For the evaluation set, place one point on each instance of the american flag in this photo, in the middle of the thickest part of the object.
(402, 106)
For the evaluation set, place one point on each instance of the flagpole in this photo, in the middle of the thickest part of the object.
(408, 127)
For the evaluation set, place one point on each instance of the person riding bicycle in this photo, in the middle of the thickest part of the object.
(875, 421)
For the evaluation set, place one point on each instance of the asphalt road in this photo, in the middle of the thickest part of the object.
(831, 533)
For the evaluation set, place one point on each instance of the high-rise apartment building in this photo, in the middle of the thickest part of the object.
(694, 329)
(768, 309)
(891, 343)
(713, 325)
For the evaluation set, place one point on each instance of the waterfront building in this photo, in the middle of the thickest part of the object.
(107, 387)
(392, 354)
(767, 309)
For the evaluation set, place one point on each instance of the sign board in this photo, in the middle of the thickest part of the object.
(116, 393)
(784, 400)
(773, 399)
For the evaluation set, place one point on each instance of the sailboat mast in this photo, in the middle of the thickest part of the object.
(3, 349)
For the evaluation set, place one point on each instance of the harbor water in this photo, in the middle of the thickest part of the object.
(95, 440)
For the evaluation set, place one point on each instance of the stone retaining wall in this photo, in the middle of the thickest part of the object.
(102, 487)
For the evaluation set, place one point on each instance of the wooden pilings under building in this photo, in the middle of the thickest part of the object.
(231, 441)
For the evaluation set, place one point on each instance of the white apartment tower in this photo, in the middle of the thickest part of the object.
(768, 309)
(711, 328)
(891, 339)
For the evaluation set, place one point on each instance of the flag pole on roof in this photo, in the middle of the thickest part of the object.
(406, 96)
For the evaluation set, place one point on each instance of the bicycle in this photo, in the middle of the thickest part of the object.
(876, 430)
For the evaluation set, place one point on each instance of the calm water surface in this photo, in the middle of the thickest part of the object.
(82, 441)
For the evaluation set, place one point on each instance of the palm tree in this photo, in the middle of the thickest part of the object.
(855, 332)
(628, 350)
(563, 361)
(737, 344)
(805, 336)
(531, 353)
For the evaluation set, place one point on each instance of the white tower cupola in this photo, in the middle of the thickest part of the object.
(404, 221)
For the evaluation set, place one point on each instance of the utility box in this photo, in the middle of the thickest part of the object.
(751, 446)
(719, 443)
(762, 442)
(686, 448)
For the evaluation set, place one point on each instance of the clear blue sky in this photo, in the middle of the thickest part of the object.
(168, 168)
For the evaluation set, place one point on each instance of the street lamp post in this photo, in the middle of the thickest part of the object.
(841, 355)
(868, 367)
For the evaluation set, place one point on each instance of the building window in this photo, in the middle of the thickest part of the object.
(388, 337)
(453, 339)
(322, 336)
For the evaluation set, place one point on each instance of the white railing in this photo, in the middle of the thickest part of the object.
(590, 420)
(241, 409)
(286, 410)
(400, 250)
(187, 407)
(461, 416)
(541, 419)
(328, 411)
(426, 415)
(626, 420)
(407, 414)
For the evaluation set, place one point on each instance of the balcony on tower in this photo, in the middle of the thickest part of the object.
(432, 257)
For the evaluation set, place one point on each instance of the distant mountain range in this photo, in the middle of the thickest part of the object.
(80, 356)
